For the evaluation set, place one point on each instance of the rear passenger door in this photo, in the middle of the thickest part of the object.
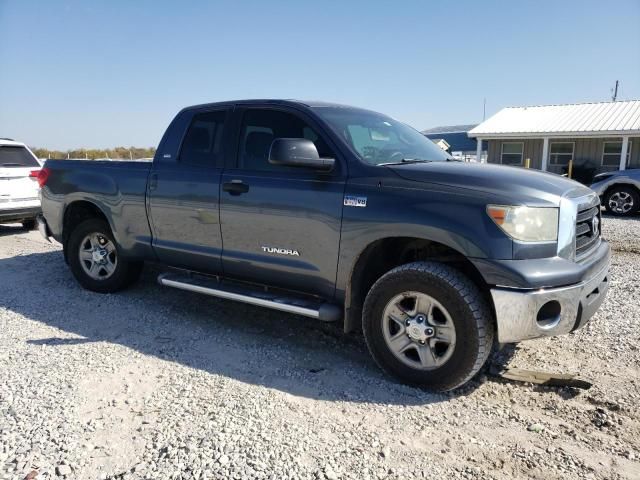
(280, 224)
(184, 194)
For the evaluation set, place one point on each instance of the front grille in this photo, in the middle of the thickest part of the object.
(588, 222)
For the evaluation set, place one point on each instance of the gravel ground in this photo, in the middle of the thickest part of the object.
(622, 233)
(159, 383)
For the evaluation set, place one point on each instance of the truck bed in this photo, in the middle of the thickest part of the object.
(117, 187)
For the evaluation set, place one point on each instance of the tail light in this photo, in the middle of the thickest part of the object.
(41, 175)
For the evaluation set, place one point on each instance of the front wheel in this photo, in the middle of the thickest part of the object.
(427, 324)
(622, 200)
(95, 259)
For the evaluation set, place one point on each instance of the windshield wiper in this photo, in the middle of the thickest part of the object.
(9, 164)
(405, 161)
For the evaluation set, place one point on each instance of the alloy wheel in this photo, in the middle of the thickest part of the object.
(621, 202)
(418, 330)
(98, 256)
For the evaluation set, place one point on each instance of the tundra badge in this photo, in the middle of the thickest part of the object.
(280, 251)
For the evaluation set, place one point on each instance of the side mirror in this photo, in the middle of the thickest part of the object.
(298, 152)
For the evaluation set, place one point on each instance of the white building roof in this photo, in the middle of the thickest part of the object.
(580, 119)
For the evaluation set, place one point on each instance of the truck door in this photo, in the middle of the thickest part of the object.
(184, 194)
(281, 224)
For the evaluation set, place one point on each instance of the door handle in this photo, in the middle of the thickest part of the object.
(235, 187)
(153, 181)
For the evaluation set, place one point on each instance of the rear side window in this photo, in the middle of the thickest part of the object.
(261, 127)
(16, 157)
(202, 145)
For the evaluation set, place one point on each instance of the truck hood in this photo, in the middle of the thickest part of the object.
(513, 184)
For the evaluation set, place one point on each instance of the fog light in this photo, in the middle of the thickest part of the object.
(549, 314)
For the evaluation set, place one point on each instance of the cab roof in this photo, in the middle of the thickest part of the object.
(274, 101)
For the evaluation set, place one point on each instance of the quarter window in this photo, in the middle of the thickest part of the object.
(511, 153)
(202, 145)
(611, 153)
(261, 127)
(560, 153)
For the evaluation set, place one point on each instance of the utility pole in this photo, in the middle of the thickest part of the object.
(615, 91)
(484, 108)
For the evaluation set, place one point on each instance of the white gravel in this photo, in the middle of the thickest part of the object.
(622, 232)
(163, 384)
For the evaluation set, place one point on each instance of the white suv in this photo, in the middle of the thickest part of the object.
(19, 169)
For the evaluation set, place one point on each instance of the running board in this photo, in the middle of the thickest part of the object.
(325, 312)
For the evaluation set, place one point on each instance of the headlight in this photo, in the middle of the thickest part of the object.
(526, 224)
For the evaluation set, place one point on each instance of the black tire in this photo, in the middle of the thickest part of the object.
(470, 315)
(125, 273)
(624, 190)
(29, 224)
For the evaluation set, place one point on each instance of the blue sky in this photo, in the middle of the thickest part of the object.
(101, 74)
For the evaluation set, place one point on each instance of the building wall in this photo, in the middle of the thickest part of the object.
(587, 153)
(532, 149)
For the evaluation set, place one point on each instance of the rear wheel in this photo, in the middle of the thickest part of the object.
(95, 259)
(622, 200)
(29, 224)
(427, 324)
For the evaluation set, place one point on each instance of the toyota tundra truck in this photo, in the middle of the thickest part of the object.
(343, 215)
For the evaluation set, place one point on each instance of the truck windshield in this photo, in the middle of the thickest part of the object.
(379, 139)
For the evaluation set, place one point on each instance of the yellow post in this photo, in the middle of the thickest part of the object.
(570, 172)
(527, 163)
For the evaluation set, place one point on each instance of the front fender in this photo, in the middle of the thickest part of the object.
(601, 187)
(440, 214)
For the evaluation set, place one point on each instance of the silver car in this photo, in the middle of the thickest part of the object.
(619, 191)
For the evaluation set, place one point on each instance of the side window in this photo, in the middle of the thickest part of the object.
(261, 127)
(511, 153)
(611, 152)
(202, 145)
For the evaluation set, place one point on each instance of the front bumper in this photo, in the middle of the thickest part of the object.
(520, 314)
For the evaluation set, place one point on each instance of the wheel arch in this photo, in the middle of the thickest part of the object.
(384, 254)
(613, 186)
(77, 212)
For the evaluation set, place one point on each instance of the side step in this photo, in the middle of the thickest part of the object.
(325, 312)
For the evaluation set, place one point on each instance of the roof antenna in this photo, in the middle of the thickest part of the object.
(484, 109)
(615, 91)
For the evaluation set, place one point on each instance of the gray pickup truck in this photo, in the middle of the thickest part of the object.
(340, 214)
